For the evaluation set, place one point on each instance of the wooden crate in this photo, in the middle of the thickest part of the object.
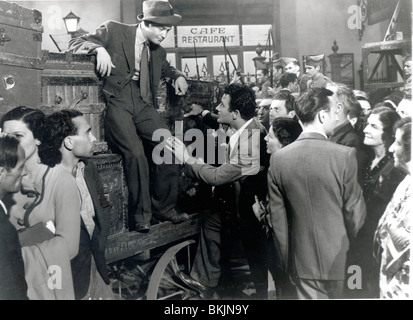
(20, 56)
(69, 81)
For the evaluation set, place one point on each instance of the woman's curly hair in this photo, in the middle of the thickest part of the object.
(36, 122)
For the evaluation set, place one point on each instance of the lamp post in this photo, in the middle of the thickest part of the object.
(71, 23)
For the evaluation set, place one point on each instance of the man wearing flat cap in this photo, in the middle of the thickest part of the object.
(313, 65)
(132, 62)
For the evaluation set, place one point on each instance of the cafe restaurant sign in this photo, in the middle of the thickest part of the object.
(207, 36)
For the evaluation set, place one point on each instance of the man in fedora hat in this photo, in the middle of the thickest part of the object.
(313, 65)
(132, 62)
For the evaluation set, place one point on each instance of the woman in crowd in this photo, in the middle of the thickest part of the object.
(281, 133)
(380, 180)
(392, 237)
(46, 211)
(12, 283)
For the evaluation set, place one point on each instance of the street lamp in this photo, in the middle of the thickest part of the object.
(71, 23)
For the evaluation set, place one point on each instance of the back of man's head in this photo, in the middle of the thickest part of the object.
(345, 96)
(311, 102)
(242, 99)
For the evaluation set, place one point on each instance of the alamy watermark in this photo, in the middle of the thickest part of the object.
(358, 16)
(55, 277)
(212, 147)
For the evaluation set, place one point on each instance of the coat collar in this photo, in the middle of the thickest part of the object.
(311, 135)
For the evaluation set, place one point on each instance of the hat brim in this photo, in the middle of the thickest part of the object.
(167, 20)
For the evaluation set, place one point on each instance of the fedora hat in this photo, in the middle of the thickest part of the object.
(159, 12)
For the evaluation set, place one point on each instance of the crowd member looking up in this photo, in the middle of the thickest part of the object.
(344, 133)
(132, 62)
(282, 106)
(263, 114)
(380, 180)
(73, 141)
(309, 180)
(393, 234)
(55, 208)
(282, 132)
(12, 282)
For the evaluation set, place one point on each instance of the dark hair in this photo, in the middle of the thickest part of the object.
(405, 126)
(286, 130)
(356, 111)
(36, 122)
(388, 117)
(242, 99)
(9, 146)
(265, 72)
(287, 78)
(311, 102)
(288, 98)
(61, 126)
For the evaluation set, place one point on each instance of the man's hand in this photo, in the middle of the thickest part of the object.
(196, 110)
(177, 147)
(181, 86)
(104, 63)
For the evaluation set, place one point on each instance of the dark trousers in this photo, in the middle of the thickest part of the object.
(212, 255)
(129, 127)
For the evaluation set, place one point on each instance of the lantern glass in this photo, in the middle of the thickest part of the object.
(71, 22)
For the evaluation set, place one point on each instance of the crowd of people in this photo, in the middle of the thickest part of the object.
(316, 181)
(332, 176)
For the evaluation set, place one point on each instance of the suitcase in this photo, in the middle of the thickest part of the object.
(20, 56)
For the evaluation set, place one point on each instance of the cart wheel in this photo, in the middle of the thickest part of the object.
(167, 259)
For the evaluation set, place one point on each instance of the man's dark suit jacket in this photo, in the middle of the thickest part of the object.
(12, 282)
(313, 181)
(81, 264)
(119, 40)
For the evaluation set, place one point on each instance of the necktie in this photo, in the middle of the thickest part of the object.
(145, 85)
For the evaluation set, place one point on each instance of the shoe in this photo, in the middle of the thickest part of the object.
(172, 215)
(142, 227)
(205, 292)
